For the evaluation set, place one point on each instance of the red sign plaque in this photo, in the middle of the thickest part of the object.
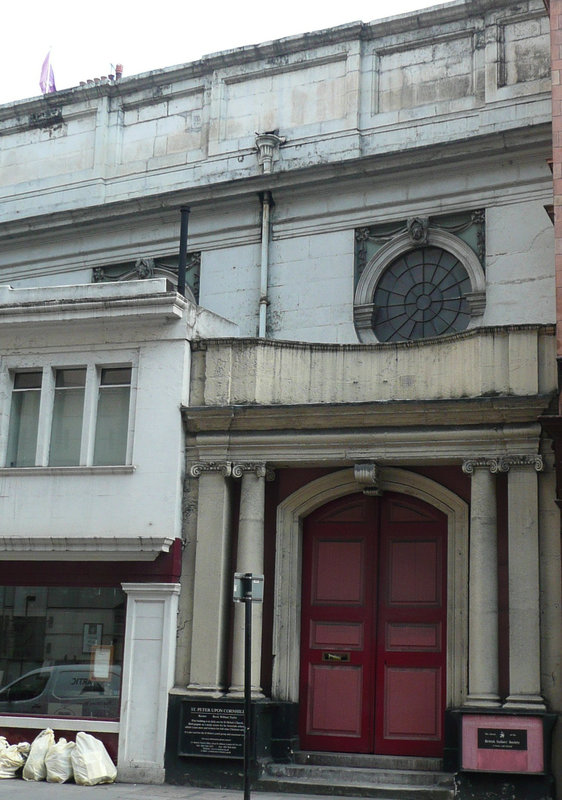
(497, 743)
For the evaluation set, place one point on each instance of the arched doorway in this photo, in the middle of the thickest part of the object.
(373, 626)
(291, 514)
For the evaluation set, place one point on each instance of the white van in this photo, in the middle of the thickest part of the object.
(65, 690)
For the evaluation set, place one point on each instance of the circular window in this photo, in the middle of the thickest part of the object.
(421, 294)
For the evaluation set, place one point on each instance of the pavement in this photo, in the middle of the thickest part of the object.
(18, 789)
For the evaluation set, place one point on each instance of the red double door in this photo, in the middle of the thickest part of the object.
(373, 642)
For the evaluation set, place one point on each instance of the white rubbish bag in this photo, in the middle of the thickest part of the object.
(58, 761)
(91, 762)
(12, 758)
(34, 768)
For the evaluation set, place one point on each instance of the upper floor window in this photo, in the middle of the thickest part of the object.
(24, 419)
(420, 278)
(68, 413)
(112, 416)
(422, 293)
(70, 416)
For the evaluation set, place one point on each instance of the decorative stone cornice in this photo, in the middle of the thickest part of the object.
(224, 467)
(84, 548)
(367, 476)
(94, 301)
(260, 468)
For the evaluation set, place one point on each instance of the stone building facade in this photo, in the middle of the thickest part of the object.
(345, 399)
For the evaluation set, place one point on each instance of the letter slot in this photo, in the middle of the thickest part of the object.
(335, 657)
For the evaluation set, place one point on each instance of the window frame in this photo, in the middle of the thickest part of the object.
(10, 406)
(400, 244)
(53, 660)
(59, 392)
(94, 363)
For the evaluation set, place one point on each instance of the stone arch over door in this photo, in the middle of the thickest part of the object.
(288, 571)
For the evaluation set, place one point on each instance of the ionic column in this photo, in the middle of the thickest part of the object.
(249, 558)
(524, 615)
(212, 581)
(483, 681)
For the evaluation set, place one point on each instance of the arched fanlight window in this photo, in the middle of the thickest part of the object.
(409, 292)
(421, 294)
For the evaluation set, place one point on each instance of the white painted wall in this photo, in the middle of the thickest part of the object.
(520, 265)
(97, 175)
(311, 288)
(95, 502)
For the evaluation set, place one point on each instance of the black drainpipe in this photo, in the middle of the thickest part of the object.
(184, 214)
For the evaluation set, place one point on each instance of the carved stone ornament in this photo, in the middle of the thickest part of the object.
(362, 234)
(367, 476)
(418, 229)
(267, 145)
(225, 467)
(261, 470)
(508, 462)
(144, 268)
(361, 237)
(476, 303)
(502, 463)
(493, 464)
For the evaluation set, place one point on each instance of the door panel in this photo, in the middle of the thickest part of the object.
(338, 576)
(336, 632)
(413, 577)
(403, 636)
(411, 655)
(373, 635)
(342, 718)
(411, 702)
(349, 635)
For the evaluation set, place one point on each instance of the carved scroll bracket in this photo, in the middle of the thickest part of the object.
(260, 468)
(503, 463)
(493, 464)
(267, 146)
(367, 476)
(224, 467)
(510, 462)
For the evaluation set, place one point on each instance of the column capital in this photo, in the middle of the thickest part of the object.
(367, 475)
(260, 468)
(224, 467)
(492, 464)
(522, 461)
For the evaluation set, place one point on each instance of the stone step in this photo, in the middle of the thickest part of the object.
(367, 760)
(378, 792)
(329, 774)
(385, 784)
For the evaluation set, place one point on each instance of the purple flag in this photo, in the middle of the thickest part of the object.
(47, 79)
